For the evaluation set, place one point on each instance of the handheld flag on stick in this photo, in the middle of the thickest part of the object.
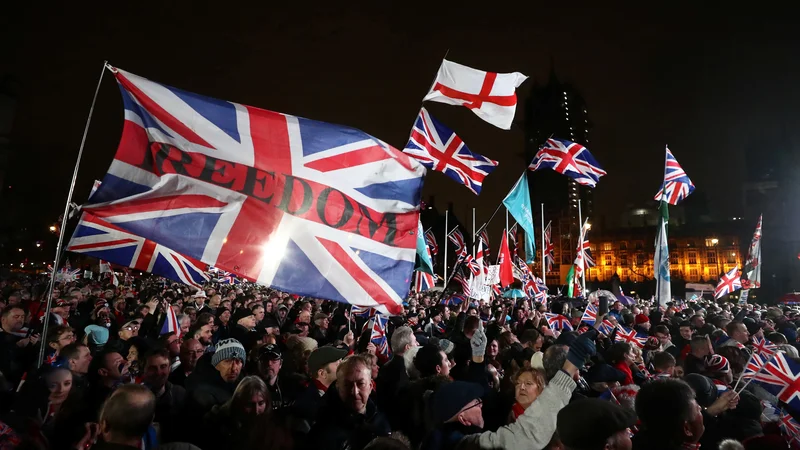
(729, 283)
(264, 195)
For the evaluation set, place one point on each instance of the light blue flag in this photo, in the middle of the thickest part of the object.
(518, 203)
(424, 261)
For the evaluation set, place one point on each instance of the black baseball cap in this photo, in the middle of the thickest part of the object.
(606, 419)
(270, 352)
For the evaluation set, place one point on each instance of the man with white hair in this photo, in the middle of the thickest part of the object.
(394, 375)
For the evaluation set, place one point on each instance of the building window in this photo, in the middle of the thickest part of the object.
(692, 258)
(710, 242)
(690, 244)
(607, 246)
(639, 245)
(712, 257)
(623, 260)
(712, 272)
(640, 259)
(607, 260)
(623, 245)
(673, 258)
(731, 258)
(693, 274)
(592, 247)
(608, 274)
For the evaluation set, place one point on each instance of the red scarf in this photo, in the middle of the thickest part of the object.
(623, 367)
(517, 410)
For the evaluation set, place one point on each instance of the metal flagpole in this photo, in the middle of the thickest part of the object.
(473, 232)
(583, 260)
(51, 286)
(544, 265)
(444, 243)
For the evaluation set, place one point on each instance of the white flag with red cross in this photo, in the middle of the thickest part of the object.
(491, 96)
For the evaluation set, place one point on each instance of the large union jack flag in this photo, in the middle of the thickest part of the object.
(301, 206)
(96, 237)
(438, 148)
(570, 159)
(549, 248)
(781, 377)
(677, 185)
(729, 283)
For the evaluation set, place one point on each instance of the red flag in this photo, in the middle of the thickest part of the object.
(506, 271)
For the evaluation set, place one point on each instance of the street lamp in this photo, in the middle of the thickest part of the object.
(38, 244)
(53, 228)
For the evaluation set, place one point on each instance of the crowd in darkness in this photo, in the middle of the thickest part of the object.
(247, 367)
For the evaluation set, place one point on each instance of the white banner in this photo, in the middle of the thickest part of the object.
(493, 275)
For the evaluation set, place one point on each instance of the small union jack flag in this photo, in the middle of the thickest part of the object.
(423, 281)
(764, 347)
(729, 283)
(549, 248)
(472, 265)
(558, 322)
(590, 314)
(630, 336)
(461, 247)
(430, 239)
(754, 366)
(377, 326)
(439, 148)
(453, 300)
(781, 377)
(570, 159)
(362, 311)
(789, 426)
(677, 185)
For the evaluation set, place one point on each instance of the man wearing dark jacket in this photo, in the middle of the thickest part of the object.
(393, 376)
(348, 417)
(322, 365)
(670, 417)
(244, 324)
(214, 384)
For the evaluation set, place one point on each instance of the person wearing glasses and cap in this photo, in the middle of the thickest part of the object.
(282, 392)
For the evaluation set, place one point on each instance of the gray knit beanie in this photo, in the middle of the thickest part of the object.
(227, 349)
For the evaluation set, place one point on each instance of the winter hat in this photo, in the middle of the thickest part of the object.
(446, 345)
(240, 314)
(641, 318)
(97, 335)
(717, 364)
(228, 349)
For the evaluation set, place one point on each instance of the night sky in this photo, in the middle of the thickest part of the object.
(709, 82)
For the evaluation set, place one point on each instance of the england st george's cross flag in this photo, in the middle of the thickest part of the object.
(302, 206)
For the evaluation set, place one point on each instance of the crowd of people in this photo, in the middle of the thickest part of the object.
(247, 367)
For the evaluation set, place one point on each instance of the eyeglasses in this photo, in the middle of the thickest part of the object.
(476, 405)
